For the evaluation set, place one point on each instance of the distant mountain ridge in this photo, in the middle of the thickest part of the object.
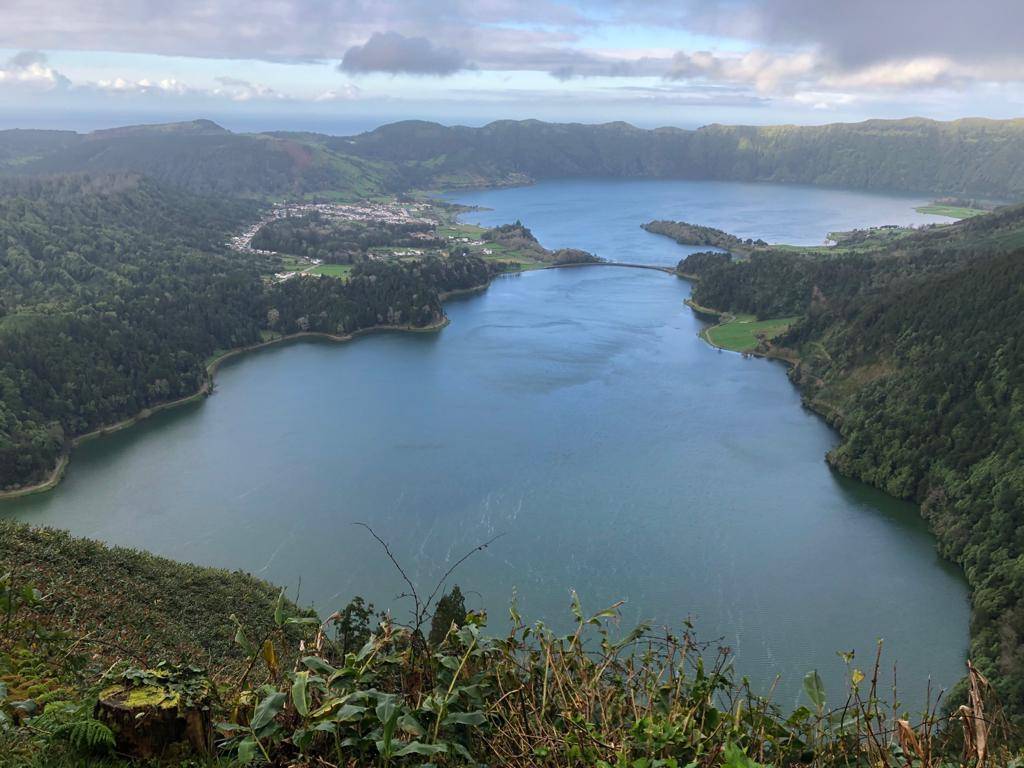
(199, 156)
(964, 157)
(912, 155)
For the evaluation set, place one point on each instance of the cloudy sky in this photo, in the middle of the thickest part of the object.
(341, 64)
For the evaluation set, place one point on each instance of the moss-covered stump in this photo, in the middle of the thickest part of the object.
(156, 711)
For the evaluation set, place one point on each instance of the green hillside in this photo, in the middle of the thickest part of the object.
(200, 157)
(116, 291)
(984, 157)
(913, 352)
(978, 157)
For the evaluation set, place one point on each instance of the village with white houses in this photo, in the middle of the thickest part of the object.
(372, 212)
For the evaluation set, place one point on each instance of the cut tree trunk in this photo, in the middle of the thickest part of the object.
(151, 720)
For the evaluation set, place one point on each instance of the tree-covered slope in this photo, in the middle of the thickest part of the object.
(115, 291)
(20, 146)
(914, 352)
(200, 157)
(965, 157)
(983, 157)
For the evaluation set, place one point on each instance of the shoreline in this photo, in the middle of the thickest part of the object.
(772, 353)
(206, 389)
(52, 480)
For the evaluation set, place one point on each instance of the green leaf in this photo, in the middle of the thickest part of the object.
(387, 713)
(735, 757)
(348, 712)
(465, 718)
(267, 710)
(247, 751)
(419, 748)
(577, 610)
(300, 694)
(450, 662)
(279, 609)
(367, 649)
(328, 706)
(303, 739)
(316, 664)
(411, 725)
(242, 641)
(799, 715)
(815, 689)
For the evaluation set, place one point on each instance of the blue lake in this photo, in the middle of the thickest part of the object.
(575, 412)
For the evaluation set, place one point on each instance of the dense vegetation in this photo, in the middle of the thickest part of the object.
(517, 238)
(914, 352)
(403, 293)
(115, 292)
(700, 262)
(339, 242)
(980, 158)
(198, 156)
(354, 691)
(695, 234)
(133, 605)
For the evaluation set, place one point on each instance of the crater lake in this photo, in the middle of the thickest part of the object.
(577, 414)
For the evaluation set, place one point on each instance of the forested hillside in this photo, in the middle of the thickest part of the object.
(983, 158)
(914, 352)
(115, 291)
(199, 156)
(112, 296)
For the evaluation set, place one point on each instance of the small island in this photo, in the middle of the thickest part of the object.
(685, 233)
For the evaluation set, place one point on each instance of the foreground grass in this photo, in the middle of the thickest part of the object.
(293, 692)
(126, 603)
(742, 333)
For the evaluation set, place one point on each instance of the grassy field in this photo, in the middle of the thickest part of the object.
(332, 270)
(293, 264)
(742, 332)
(951, 211)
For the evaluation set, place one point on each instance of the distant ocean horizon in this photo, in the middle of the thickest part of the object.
(84, 121)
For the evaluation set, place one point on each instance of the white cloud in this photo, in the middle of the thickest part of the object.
(346, 92)
(912, 73)
(142, 86)
(765, 71)
(237, 89)
(30, 68)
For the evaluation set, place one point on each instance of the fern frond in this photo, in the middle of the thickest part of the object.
(87, 735)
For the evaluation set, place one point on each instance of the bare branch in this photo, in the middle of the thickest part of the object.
(460, 561)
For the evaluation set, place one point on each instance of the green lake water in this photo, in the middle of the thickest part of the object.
(577, 413)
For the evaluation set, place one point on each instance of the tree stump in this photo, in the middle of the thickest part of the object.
(156, 711)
